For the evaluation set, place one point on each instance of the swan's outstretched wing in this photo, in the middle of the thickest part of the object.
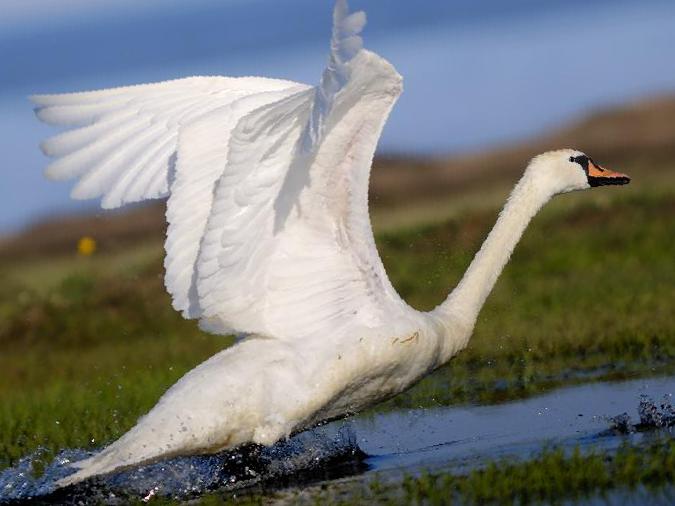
(126, 147)
(268, 216)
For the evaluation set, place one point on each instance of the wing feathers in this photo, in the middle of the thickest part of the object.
(113, 118)
(130, 183)
(346, 41)
(73, 140)
(319, 272)
(76, 163)
(263, 142)
(76, 115)
(268, 228)
(204, 157)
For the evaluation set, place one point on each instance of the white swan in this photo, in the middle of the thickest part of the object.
(269, 237)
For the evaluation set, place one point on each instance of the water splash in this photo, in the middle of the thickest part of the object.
(307, 456)
(25, 482)
(652, 416)
(657, 416)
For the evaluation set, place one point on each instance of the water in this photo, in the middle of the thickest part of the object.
(464, 436)
(598, 416)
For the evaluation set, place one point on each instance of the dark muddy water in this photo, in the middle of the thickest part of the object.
(601, 416)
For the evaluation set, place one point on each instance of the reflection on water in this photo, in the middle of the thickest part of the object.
(455, 439)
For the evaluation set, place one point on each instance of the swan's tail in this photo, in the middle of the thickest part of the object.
(134, 448)
(120, 455)
(203, 413)
(98, 464)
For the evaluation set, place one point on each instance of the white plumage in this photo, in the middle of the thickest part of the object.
(269, 236)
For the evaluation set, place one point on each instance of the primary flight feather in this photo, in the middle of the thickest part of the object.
(269, 237)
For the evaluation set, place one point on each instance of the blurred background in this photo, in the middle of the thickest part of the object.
(477, 73)
(88, 338)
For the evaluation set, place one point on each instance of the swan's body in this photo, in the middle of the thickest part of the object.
(269, 237)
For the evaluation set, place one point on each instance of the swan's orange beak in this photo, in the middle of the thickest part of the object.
(599, 176)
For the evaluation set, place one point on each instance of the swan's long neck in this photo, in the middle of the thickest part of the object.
(460, 310)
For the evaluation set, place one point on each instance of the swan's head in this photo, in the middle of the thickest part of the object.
(567, 170)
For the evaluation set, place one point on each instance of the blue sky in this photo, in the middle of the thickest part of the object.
(477, 72)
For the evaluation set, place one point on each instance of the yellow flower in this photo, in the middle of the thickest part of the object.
(86, 246)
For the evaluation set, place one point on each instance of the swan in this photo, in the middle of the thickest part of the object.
(269, 238)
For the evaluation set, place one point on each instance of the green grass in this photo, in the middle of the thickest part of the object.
(89, 344)
(88, 356)
(552, 477)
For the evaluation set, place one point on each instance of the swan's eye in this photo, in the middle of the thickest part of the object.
(581, 160)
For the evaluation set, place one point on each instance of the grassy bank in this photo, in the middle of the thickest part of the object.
(553, 477)
(89, 344)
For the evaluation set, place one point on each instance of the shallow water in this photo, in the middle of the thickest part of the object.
(575, 416)
(602, 415)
